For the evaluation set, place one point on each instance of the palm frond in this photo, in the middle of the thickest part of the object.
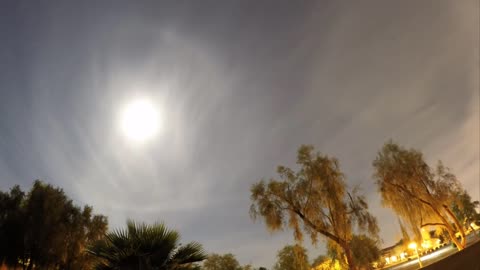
(190, 253)
(145, 246)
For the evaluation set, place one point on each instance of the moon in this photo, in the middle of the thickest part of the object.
(140, 120)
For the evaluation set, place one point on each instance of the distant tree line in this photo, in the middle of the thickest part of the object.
(43, 229)
(226, 262)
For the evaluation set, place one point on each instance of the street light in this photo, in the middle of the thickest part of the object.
(413, 245)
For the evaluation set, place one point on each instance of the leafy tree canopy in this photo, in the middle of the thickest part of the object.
(292, 258)
(319, 260)
(45, 229)
(221, 262)
(365, 250)
(313, 200)
(419, 194)
(465, 209)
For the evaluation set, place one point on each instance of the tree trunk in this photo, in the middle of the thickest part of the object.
(454, 239)
(457, 224)
(348, 255)
(449, 228)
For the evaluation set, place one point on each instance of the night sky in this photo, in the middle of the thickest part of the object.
(240, 85)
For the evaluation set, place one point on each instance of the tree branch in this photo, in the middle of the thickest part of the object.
(410, 193)
(309, 194)
(333, 237)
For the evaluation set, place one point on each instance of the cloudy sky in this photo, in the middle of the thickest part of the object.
(239, 86)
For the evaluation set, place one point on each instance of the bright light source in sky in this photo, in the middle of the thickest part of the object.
(140, 120)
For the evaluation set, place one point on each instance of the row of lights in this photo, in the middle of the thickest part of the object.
(394, 258)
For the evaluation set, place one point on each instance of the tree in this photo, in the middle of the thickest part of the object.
(405, 236)
(313, 201)
(319, 260)
(365, 250)
(251, 267)
(292, 258)
(44, 229)
(145, 247)
(247, 267)
(417, 193)
(12, 227)
(57, 230)
(85, 229)
(221, 262)
(465, 209)
(329, 264)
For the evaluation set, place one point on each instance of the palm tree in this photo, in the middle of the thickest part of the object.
(145, 247)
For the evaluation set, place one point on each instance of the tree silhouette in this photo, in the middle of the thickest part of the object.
(221, 262)
(12, 248)
(43, 229)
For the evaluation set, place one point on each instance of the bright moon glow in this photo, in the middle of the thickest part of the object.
(140, 120)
